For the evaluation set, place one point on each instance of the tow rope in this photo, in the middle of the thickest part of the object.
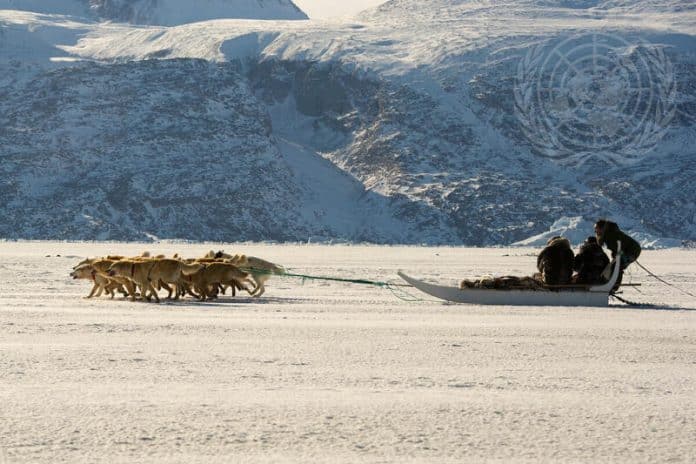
(396, 289)
(653, 275)
(304, 277)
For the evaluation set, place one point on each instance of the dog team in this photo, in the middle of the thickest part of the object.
(203, 278)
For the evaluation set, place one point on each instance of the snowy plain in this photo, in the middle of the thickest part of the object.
(327, 372)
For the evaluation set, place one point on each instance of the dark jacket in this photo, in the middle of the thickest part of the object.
(589, 263)
(611, 236)
(555, 262)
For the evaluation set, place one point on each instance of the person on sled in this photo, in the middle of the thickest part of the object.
(555, 262)
(609, 234)
(590, 263)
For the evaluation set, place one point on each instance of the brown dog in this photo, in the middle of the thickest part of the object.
(136, 271)
(101, 283)
(102, 267)
(260, 270)
(144, 272)
(208, 280)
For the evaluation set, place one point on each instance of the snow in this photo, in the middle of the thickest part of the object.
(577, 229)
(441, 72)
(61, 7)
(327, 372)
(330, 195)
(162, 12)
(174, 12)
(36, 38)
(394, 40)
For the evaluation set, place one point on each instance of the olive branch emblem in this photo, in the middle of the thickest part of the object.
(595, 95)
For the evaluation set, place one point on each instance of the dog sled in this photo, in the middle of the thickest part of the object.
(568, 295)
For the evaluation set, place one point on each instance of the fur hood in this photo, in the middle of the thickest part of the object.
(560, 242)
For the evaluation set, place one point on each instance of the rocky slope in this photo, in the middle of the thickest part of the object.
(414, 123)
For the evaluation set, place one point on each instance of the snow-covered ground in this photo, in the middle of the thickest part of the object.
(327, 372)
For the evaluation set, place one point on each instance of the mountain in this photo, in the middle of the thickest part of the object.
(161, 12)
(443, 122)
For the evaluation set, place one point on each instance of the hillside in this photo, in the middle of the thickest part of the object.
(413, 123)
(161, 12)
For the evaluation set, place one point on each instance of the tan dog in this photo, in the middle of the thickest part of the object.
(144, 272)
(260, 270)
(101, 283)
(136, 271)
(173, 272)
(91, 260)
(102, 267)
(207, 281)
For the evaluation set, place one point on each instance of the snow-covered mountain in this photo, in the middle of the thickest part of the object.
(161, 12)
(415, 122)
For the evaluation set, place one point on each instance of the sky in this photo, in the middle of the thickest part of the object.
(334, 8)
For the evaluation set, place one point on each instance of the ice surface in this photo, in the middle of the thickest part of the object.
(326, 372)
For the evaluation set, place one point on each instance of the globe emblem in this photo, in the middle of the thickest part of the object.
(595, 95)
